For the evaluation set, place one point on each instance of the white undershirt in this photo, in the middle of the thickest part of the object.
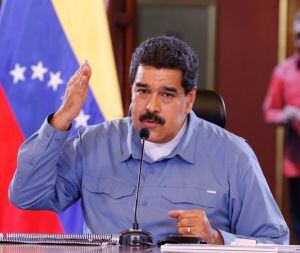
(159, 150)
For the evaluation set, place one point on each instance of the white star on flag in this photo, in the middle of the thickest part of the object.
(18, 73)
(55, 80)
(38, 71)
(81, 119)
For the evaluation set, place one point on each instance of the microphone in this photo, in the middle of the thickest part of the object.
(136, 236)
(144, 133)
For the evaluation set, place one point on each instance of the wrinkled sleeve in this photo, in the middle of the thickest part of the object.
(274, 102)
(49, 170)
(253, 210)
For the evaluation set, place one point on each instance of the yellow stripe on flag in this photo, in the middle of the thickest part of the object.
(85, 25)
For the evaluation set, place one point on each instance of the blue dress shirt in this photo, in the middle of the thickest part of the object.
(210, 169)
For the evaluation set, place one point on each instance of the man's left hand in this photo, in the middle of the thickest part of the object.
(196, 223)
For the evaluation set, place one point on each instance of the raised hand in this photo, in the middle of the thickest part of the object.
(196, 223)
(74, 98)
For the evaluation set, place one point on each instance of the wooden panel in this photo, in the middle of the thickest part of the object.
(246, 54)
(121, 16)
(293, 7)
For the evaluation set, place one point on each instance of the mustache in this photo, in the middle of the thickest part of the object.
(152, 116)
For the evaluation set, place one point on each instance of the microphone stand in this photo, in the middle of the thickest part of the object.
(136, 236)
(135, 223)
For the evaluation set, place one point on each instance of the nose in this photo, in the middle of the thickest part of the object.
(153, 104)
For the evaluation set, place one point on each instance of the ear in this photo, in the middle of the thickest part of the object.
(190, 99)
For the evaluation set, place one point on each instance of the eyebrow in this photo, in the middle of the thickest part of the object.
(141, 85)
(166, 88)
(170, 89)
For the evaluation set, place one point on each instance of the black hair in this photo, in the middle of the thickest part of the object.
(167, 52)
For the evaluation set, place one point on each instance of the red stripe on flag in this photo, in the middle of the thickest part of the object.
(13, 219)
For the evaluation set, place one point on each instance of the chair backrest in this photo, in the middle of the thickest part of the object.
(209, 105)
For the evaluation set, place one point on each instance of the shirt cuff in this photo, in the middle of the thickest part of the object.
(48, 131)
(227, 237)
(50, 116)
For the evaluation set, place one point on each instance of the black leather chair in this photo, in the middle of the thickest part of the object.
(210, 106)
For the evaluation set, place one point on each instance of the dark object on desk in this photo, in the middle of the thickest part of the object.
(136, 236)
(179, 239)
(210, 106)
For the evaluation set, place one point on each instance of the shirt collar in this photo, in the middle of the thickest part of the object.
(160, 150)
(186, 148)
(132, 144)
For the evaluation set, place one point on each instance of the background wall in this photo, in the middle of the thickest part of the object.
(247, 44)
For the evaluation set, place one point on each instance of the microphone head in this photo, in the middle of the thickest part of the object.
(144, 133)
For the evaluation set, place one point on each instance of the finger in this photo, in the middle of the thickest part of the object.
(191, 214)
(76, 77)
(84, 81)
(87, 63)
(86, 70)
(81, 88)
(188, 222)
(83, 84)
(185, 231)
(175, 213)
(76, 88)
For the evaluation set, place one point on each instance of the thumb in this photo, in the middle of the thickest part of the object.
(175, 213)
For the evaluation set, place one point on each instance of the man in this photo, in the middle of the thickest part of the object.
(198, 179)
(282, 107)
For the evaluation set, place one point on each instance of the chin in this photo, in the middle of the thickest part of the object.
(153, 138)
(156, 139)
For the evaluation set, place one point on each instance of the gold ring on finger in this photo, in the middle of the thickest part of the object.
(189, 230)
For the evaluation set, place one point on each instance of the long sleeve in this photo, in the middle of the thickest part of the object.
(254, 212)
(48, 171)
(274, 101)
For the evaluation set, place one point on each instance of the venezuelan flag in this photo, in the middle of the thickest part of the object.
(42, 43)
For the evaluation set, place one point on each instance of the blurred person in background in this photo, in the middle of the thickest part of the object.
(282, 107)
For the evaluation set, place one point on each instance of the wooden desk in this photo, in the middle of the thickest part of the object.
(30, 248)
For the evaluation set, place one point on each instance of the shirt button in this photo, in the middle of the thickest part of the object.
(144, 203)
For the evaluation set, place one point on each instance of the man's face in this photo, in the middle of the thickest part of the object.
(159, 102)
